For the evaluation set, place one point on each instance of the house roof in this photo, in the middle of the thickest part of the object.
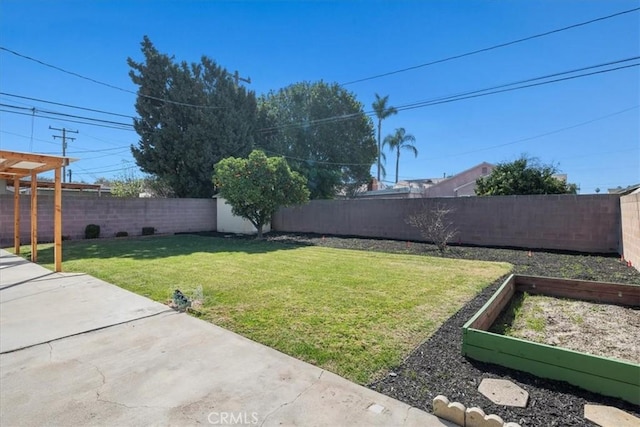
(624, 191)
(65, 185)
(436, 181)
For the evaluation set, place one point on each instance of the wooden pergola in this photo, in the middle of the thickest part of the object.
(15, 165)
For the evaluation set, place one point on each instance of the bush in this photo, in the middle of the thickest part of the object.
(148, 231)
(434, 226)
(122, 234)
(92, 231)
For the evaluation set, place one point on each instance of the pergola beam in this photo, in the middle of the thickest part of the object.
(7, 164)
(36, 158)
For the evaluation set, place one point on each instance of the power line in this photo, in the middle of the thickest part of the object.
(320, 162)
(168, 101)
(428, 104)
(484, 148)
(102, 150)
(519, 82)
(468, 95)
(92, 172)
(71, 147)
(109, 122)
(111, 141)
(68, 120)
(27, 137)
(539, 135)
(66, 105)
(486, 49)
(122, 164)
(118, 153)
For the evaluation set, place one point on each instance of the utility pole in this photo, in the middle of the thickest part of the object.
(237, 79)
(64, 138)
(70, 173)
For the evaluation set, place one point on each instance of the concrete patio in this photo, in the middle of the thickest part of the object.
(75, 350)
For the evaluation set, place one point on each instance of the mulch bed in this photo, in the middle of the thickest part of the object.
(437, 366)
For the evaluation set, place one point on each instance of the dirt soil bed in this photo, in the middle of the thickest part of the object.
(600, 329)
(437, 366)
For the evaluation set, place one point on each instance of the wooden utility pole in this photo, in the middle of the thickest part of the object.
(64, 138)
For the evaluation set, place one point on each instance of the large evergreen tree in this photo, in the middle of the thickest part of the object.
(323, 132)
(190, 117)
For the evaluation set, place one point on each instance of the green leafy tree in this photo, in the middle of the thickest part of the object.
(190, 117)
(127, 188)
(523, 176)
(401, 140)
(257, 186)
(127, 184)
(323, 132)
(382, 112)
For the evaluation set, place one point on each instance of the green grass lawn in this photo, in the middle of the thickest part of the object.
(355, 313)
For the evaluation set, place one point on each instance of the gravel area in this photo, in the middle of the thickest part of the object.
(437, 366)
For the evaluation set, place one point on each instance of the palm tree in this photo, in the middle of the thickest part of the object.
(401, 140)
(382, 112)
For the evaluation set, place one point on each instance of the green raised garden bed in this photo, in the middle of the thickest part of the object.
(598, 374)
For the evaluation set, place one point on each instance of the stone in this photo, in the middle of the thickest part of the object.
(608, 416)
(475, 417)
(504, 392)
(493, 421)
(450, 411)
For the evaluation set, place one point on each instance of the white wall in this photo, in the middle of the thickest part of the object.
(229, 223)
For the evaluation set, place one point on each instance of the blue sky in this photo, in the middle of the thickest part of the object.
(588, 126)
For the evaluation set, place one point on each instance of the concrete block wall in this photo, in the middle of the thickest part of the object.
(112, 214)
(589, 223)
(630, 221)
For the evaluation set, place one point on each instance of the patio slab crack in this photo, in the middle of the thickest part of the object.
(317, 380)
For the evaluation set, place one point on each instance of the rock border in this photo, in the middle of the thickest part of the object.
(458, 414)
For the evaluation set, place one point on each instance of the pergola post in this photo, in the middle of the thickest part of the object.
(34, 217)
(15, 165)
(57, 227)
(16, 215)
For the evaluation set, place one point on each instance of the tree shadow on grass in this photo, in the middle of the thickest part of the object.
(156, 247)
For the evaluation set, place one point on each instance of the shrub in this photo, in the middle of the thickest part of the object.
(122, 234)
(148, 231)
(434, 226)
(92, 231)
